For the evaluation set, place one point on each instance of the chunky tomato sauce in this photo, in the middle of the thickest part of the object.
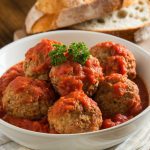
(9, 75)
(92, 71)
(71, 76)
(119, 88)
(116, 49)
(118, 119)
(39, 53)
(116, 64)
(2, 113)
(69, 84)
(67, 103)
(42, 125)
(143, 92)
(36, 88)
(38, 126)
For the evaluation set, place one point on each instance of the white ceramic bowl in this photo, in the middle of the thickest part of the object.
(14, 52)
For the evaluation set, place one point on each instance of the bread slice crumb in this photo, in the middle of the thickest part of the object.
(135, 16)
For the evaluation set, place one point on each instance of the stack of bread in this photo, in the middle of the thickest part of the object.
(128, 19)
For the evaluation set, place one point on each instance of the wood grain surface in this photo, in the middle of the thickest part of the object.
(12, 16)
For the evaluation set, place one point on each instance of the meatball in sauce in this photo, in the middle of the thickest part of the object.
(27, 98)
(37, 62)
(75, 113)
(115, 58)
(118, 95)
(50, 91)
(10, 75)
(6, 78)
(71, 76)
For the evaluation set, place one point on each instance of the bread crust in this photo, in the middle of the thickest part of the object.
(125, 34)
(127, 3)
(31, 19)
(128, 34)
(38, 21)
(56, 6)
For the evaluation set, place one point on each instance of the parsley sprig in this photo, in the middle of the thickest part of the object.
(79, 52)
(58, 54)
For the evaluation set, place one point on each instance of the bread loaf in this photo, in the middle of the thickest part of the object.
(53, 14)
(124, 23)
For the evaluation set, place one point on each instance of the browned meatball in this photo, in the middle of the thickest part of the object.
(9, 75)
(115, 58)
(37, 62)
(27, 98)
(71, 76)
(118, 95)
(75, 113)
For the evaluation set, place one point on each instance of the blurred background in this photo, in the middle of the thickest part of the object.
(12, 16)
(132, 16)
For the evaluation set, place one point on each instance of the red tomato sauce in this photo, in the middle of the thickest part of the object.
(143, 92)
(69, 84)
(116, 120)
(40, 52)
(116, 64)
(119, 88)
(116, 49)
(9, 75)
(2, 113)
(67, 103)
(92, 71)
(73, 76)
(38, 126)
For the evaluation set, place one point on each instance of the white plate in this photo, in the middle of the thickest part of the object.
(14, 52)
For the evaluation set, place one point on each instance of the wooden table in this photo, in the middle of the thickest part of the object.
(12, 16)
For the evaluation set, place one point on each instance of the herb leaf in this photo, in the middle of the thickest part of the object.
(58, 54)
(79, 52)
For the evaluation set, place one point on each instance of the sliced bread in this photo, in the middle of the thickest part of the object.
(123, 23)
(53, 14)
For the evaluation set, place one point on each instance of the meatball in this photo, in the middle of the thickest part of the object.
(27, 98)
(115, 58)
(9, 75)
(71, 76)
(37, 62)
(118, 95)
(75, 113)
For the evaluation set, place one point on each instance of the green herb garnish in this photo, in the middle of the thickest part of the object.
(58, 54)
(79, 52)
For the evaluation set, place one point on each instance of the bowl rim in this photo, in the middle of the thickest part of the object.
(2, 50)
(25, 131)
